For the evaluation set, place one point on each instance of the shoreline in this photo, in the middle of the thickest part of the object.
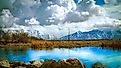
(114, 44)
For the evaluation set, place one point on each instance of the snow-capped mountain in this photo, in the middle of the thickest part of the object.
(35, 31)
(94, 34)
(31, 32)
(37, 34)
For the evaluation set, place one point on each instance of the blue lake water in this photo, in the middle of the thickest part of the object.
(88, 55)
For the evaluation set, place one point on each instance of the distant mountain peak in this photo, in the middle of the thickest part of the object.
(94, 34)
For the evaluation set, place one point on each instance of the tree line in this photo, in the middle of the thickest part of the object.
(16, 37)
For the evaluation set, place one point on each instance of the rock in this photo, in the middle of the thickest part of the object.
(17, 64)
(98, 65)
(36, 63)
(4, 63)
(71, 63)
(28, 63)
(50, 64)
(20, 67)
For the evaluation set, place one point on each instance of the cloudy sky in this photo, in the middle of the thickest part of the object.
(57, 17)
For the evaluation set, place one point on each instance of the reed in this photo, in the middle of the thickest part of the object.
(57, 43)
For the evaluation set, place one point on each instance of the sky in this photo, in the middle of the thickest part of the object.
(57, 17)
(100, 2)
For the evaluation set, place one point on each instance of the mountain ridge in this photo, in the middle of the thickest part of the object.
(94, 34)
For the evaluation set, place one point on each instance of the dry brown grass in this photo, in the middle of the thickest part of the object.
(67, 44)
(102, 43)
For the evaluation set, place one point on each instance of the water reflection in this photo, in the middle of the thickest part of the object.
(88, 55)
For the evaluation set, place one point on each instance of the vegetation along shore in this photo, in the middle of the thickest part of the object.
(24, 40)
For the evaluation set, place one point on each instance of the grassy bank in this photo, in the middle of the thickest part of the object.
(70, 44)
(116, 44)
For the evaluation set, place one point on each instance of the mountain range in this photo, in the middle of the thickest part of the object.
(94, 34)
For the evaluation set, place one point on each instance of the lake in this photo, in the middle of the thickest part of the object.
(88, 55)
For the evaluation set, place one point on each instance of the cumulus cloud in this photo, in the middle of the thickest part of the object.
(57, 12)
(7, 18)
(113, 11)
(32, 21)
(56, 17)
(106, 22)
(53, 12)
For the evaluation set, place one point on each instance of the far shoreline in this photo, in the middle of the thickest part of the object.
(114, 44)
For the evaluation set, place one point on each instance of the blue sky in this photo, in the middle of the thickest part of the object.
(98, 2)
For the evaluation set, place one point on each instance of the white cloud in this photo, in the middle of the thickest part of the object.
(113, 11)
(58, 17)
(57, 13)
(54, 12)
(32, 21)
(7, 18)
